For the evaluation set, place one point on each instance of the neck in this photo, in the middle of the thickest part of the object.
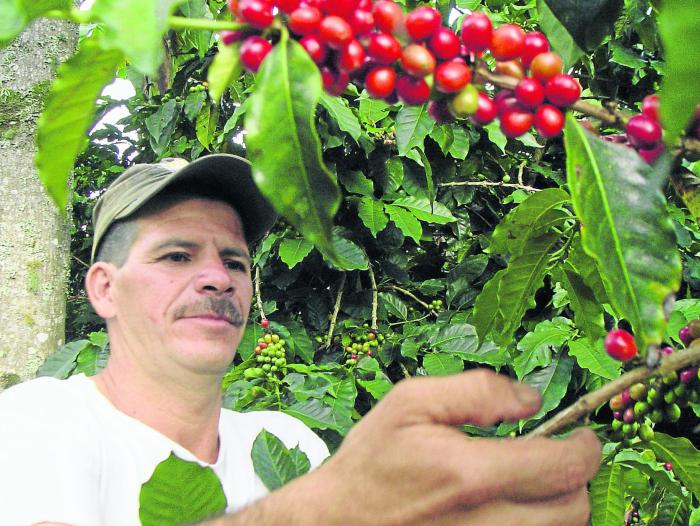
(186, 410)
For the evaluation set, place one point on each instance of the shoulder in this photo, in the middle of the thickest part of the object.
(291, 431)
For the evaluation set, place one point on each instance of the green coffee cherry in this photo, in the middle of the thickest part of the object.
(672, 413)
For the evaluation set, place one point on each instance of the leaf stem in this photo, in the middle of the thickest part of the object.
(491, 183)
(179, 23)
(591, 401)
(336, 309)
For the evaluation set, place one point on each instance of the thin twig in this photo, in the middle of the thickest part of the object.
(395, 323)
(258, 297)
(591, 401)
(406, 374)
(414, 298)
(491, 183)
(80, 261)
(375, 298)
(336, 310)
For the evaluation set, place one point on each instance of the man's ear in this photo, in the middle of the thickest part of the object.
(98, 284)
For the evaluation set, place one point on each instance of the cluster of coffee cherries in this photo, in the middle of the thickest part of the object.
(270, 356)
(436, 305)
(362, 342)
(412, 57)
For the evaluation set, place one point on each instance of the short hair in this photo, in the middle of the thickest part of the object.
(120, 236)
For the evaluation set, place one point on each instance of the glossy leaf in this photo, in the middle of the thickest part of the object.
(552, 382)
(274, 463)
(588, 312)
(69, 114)
(284, 148)
(672, 511)
(224, 68)
(16, 14)
(318, 415)
(683, 455)
(618, 200)
(413, 124)
(339, 110)
(179, 492)
(459, 149)
(442, 364)
(677, 20)
(424, 210)
(458, 339)
(535, 348)
(348, 255)
(293, 251)
(607, 496)
(147, 19)
(372, 214)
(405, 221)
(592, 356)
(587, 22)
(61, 363)
(393, 305)
(486, 313)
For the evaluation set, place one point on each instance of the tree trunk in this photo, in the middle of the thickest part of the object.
(34, 237)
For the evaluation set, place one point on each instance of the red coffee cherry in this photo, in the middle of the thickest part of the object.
(315, 47)
(545, 65)
(548, 121)
(286, 6)
(515, 122)
(535, 43)
(351, 57)
(380, 81)
(620, 345)
(444, 43)
(384, 48)
(562, 90)
(412, 90)
(486, 110)
(651, 155)
(650, 107)
(341, 8)
(335, 31)
(529, 93)
(230, 37)
(253, 50)
(334, 82)
(507, 42)
(265, 323)
(388, 16)
(505, 100)
(643, 132)
(304, 20)
(416, 60)
(257, 13)
(451, 77)
(422, 22)
(362, 22)
(477, 31)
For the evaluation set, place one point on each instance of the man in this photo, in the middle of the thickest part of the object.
(171, 277)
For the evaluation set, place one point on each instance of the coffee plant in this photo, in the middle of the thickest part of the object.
(462, 184)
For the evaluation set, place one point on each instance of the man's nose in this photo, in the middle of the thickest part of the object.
(214, 277)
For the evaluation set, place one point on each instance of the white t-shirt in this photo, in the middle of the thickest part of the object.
(68, 455)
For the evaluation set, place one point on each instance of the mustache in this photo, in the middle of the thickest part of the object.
(217, 306)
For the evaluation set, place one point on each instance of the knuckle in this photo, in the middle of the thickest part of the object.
(574, 473)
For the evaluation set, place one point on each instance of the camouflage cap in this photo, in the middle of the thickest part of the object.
(224, 175)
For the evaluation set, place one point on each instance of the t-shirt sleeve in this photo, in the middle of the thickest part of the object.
(47, 464)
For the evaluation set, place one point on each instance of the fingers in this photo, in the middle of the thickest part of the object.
(572, 509)
(479, 397)
(529, 469)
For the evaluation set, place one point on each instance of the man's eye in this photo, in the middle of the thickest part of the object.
(177, 257)
(234, 264)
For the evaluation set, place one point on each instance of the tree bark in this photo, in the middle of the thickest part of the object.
(34, 236)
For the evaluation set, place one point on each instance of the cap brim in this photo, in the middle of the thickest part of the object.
(230, 177)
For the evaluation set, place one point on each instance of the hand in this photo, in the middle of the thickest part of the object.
(404, 463)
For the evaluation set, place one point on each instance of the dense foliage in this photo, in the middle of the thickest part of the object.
(453, 247)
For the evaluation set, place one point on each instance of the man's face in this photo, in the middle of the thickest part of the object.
(182, 297)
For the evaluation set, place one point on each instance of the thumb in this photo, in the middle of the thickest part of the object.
(480, 397)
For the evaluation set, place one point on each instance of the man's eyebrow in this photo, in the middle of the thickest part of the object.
(175, 243)
(235, 252)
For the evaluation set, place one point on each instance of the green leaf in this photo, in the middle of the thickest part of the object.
(460, 143)
(372, 214)
(594, 358)
(517, 286)
(61, 363)
(442, 364)
(193, 104)
(561, 40)
(531, 218)
(274, 463)
(413, 124)
(393, 305)
(293, 251)
(458, 339)
(552, 382)
(442, 135)
(225, 67)
(684, 457)
(587, 22)
(179, 492)
(588, 312)
(535, 348)
(677, 20)
(317, 414)
(496, 136)
(283, 145)
(206, 124)
(486, 306)
(622, 210)
(424, 210)
(161, 125)
(339, 110)
(373, 110)
(69, 113)
(145, 20)
(405, 221)
(672, 511)
(348, 255)
(607, 496)
(356, 182)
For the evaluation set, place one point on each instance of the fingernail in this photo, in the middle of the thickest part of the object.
(526, 394)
